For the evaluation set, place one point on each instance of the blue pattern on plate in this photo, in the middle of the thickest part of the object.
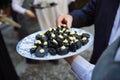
(23, 47)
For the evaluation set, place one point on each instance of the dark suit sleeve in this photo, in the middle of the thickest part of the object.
(85, 16)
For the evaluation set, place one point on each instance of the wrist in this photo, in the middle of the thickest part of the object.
(70, 59)
(30, 14)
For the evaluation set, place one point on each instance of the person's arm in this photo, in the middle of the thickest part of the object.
(17, 6)
(81, 67)
(79, 18)
(84, 16)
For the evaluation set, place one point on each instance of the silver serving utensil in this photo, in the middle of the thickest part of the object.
(43, 5)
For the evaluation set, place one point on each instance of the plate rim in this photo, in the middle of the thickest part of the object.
(78, 51)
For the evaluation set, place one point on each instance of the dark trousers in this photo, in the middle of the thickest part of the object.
(7, 70)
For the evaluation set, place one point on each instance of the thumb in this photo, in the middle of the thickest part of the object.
(69, 24)
(69, 21)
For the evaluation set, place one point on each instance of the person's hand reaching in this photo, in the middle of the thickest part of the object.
(65, 19)
(30, 14)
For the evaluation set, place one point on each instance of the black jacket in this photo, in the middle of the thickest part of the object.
(101, 13)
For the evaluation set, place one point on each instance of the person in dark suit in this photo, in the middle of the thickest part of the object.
(101, 13)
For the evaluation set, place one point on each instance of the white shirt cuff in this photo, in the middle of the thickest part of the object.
(82, 68)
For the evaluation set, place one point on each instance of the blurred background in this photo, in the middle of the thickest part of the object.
(43, 70)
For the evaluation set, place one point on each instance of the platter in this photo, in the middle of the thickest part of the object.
(23, 47)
